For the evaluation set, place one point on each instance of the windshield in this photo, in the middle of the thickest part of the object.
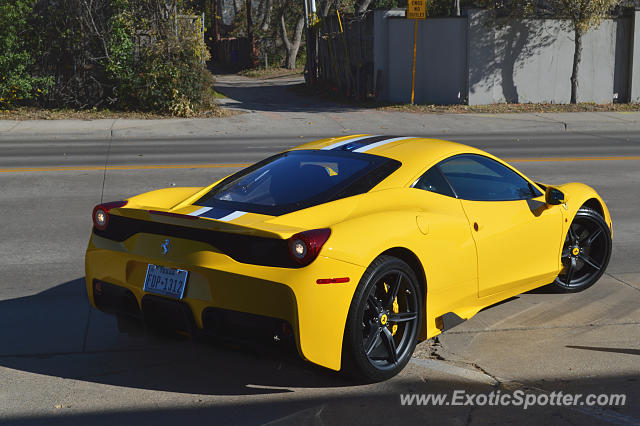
(298, 179)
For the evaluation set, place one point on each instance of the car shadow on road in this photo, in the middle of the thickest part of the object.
(465, 403)
(57, 333)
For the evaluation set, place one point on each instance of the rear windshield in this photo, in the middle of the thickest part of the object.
(296, 180)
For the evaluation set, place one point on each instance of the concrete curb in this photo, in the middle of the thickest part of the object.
(260, 123)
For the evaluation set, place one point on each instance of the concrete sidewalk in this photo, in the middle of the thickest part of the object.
(270, 108)
(320, 124)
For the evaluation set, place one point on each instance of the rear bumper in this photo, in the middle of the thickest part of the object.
(165, 314)
(316, 313)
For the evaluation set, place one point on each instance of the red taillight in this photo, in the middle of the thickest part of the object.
(332, 280)
(101, 213)
(305, 246)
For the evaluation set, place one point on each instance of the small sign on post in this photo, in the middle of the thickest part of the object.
(416, 9)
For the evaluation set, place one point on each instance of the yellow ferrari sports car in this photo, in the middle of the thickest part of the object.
(351, 249)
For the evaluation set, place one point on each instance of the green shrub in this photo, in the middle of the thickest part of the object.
(17, 85)
(124, 54)
(167, 73)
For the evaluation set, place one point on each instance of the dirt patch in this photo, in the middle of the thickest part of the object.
(332, 94)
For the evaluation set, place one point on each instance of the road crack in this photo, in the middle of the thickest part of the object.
(622, 281)
(566, 127)
(509, 385)
(106, 160)
(553, 327)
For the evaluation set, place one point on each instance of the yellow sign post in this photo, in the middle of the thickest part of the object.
(417, 9)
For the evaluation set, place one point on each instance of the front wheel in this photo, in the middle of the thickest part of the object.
(586, 251)
(384, 319)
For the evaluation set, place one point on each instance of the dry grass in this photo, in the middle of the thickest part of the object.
(504, 108)
(31, 113)
(271, 72)
(511, 108)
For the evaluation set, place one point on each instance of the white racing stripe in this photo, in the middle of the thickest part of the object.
(377, 144)
(232, 216)
(200, 211)
(344, 142)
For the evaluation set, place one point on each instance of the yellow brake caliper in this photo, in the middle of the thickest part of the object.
(396, 309)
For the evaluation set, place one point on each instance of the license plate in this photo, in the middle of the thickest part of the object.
(165, 281)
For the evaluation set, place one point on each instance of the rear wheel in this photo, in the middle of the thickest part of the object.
(384, 319)
(586, 251)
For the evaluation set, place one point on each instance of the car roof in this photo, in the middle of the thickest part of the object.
(416, 154)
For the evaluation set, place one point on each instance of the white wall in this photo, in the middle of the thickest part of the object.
(531, 62)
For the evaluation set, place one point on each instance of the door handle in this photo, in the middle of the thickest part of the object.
(475, 226)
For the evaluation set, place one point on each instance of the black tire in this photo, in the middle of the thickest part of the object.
(380, 337)
(585, 253)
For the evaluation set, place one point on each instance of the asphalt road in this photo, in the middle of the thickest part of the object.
(62, 362)
(243, 149)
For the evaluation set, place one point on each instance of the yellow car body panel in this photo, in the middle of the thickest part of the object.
(507, 255)
(217, 281)
(470, 254)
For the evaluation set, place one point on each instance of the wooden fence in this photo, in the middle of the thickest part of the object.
(345, 55)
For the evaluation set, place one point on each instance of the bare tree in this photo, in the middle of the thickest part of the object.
(253, 57)
(584, 15)
(237, 6)
(362, 6)
(581, 15)
(325, 7)
(266, 14)
(291, 46)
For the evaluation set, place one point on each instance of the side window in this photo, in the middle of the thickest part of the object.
(479, 178)
(433, 181)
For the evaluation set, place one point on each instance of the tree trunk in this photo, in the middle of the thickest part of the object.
(324, 10)
(577, 56)
(253, 58)
(215, 11)
(291, 47)
(362, 6)
(456, 7)
(237, 5)
(266, 17)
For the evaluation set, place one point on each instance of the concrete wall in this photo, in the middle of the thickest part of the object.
(471, 60)
(441, 61)
(635, 59)
(531, 61)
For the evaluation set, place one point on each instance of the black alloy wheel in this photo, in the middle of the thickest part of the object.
(384, 320)
(586, 251)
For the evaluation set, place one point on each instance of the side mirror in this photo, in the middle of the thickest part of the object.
(554, 196)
